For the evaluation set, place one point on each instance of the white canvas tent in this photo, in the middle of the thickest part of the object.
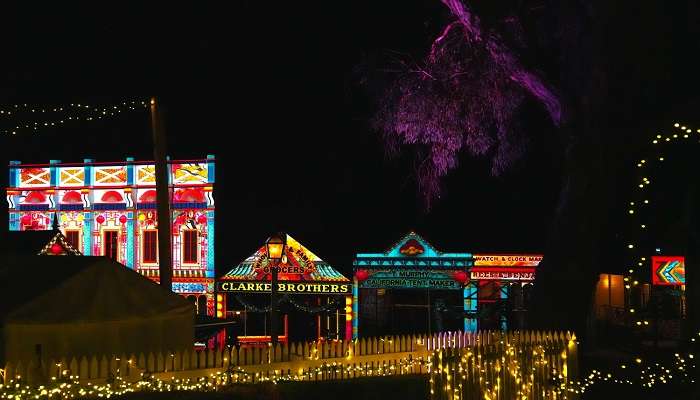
(73, 306)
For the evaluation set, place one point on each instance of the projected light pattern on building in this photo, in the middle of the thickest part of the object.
(109, 209)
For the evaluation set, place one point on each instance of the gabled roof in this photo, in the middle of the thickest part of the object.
(80, 289)
(66, 246)
(412, 250)
(301, 265)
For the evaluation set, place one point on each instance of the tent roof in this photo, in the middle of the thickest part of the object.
(310, 267)
(42, 289)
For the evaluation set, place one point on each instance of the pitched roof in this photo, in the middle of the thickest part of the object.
(301, 265)
(64, 289)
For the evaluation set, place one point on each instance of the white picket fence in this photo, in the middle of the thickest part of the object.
(353, 358)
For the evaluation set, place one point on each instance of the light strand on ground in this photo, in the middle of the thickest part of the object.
(68, 386)
(27, 118)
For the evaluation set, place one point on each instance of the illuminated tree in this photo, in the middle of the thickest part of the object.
(463, 97)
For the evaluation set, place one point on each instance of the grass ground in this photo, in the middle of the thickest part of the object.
(382, 388)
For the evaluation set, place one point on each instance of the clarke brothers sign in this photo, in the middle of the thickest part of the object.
(288, 288)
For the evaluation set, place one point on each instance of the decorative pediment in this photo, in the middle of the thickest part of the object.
(59, 246)
(412, 245)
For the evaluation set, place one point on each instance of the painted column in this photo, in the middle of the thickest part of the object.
(88, 217)
(14, 221)
(209, 273)
(53, 172)
(504, 289)
(87, 233)
(14, 174)
(54, 183)
(130, 214)
(470, 292)
(349, 318)
(13, 182)
(355, 309)
(130, 242)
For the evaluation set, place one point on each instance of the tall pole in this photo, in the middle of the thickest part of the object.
(165, 264)
(273, 306)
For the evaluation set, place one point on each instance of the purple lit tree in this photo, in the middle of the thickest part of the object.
(464, 97)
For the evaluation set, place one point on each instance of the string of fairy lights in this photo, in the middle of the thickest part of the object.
(334, 304)
(681, 134)
(68, 386)
(514, 370)
(23, 118)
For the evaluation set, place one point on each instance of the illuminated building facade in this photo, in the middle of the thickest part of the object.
(109, 209)
(413, 287)
(313, 293)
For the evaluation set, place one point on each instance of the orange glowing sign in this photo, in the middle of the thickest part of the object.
(507, 260)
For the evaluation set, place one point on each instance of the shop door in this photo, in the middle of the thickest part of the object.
(490, 306)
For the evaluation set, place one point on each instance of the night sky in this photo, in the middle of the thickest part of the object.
(282, 96)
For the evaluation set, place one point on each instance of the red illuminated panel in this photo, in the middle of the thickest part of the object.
(668, 270)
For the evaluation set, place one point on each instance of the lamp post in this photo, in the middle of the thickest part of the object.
(276, 245)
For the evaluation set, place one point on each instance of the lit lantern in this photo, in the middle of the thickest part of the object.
(275, 246)
(100, 219)
(56, 249)
(122, 219)
(26, 219)
(461, 277)
(361, 275)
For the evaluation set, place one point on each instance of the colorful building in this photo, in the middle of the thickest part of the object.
(109, 209)
(413, 287)
(311, 291)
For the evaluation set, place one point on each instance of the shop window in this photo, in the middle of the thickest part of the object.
(150, 246)
(73, 237)
(189, 247)
(111, 244)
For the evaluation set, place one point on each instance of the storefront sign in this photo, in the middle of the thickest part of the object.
(508, 260)
(297, 261)
(410, 279)
(668, 270)
(502, 274)
(287, 287)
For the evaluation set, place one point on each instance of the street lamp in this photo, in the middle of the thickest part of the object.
(276, 245)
